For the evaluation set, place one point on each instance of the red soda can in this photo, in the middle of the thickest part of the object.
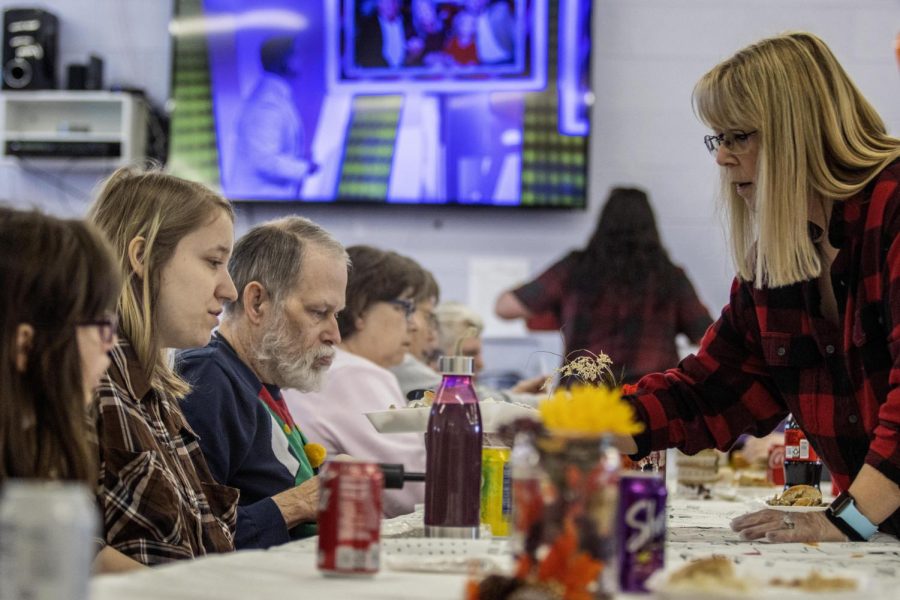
(350, 518)
(775, 466)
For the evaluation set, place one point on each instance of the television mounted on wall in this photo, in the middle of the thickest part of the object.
(414, 102)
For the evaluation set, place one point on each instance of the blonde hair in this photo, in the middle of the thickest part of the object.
(819, 139)
(456, 322)
(162, 209)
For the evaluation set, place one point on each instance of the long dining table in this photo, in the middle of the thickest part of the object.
(417, 567)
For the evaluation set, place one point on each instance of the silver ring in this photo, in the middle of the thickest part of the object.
(788, 522)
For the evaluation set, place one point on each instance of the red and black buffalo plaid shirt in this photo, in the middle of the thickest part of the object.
(771, 352)
(637, 331)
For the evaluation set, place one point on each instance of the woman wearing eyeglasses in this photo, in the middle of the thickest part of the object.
(58, 290)
(376, 328)
(811, 183)
(172, 239)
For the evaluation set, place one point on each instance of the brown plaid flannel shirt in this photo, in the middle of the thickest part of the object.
(158, 501)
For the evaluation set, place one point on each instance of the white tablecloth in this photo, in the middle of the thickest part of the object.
(695, 528)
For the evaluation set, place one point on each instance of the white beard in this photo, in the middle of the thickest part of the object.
(290, 368)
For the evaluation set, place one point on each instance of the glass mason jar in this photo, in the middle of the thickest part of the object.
(573, 542)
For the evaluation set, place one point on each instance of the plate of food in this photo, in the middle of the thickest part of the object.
(494, 414)
(718, 577)
(797, 498)
(706, 578)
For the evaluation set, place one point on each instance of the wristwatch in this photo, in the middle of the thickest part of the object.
(844, 515)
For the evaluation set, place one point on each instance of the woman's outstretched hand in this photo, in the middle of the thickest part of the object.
(782, 527)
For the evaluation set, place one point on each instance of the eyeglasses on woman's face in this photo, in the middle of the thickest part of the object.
(736, 142)
(107, 327)
(407, 306)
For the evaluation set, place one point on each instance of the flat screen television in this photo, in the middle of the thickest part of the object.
(417, 102)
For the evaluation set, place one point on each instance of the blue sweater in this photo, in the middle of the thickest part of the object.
(236, 436)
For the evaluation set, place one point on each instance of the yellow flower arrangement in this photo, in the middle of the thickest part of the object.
(586, 410)
(592, 405)
(316, 453)
(588, 368)
(567, 526)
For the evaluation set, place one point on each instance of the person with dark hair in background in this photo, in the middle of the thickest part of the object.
(291, 277)
(59, 283)
(620, 295)
(272, 157)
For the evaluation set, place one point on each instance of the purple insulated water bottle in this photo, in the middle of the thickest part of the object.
(453, 454)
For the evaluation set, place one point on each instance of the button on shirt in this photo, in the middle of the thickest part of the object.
(764, 357)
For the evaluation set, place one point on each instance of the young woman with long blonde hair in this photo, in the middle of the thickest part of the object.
(172, 239)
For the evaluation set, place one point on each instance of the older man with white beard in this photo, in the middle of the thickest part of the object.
(291, 277)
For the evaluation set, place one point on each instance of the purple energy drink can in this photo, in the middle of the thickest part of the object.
(641, 528)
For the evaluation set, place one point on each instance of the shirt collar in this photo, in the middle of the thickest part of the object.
(218, 338)
(278, 85)
(128, 371)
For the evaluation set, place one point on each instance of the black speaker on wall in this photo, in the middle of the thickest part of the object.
(30, 43)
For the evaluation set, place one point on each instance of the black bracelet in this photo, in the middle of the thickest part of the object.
(844, 527)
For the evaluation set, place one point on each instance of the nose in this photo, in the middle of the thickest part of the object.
(332, 333)
(227, 291)
(724, 157)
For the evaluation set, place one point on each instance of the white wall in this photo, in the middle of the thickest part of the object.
(132, 39)
(647, 57)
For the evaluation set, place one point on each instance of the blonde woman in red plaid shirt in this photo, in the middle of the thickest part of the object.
(811, 182)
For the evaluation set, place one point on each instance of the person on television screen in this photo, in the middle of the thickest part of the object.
(291, 277)
(428, 24)
(496, 30)
(272, 157)
(462, 47)
(386, 37)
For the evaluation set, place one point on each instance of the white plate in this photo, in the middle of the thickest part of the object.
(797, 508)
(415, 420)
(761, 504)
(400, 420)
(658, 583)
